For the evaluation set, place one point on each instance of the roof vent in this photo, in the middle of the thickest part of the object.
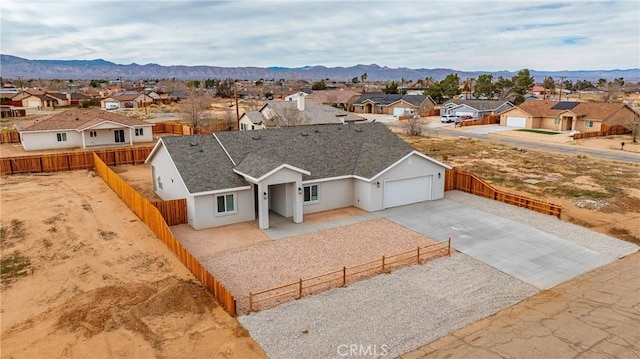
(316, 131)
(358, 130)
(77, 119)
(304, 134)
(255, 137)
(193, 143)
(201, 150)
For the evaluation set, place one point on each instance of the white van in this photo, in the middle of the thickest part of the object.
(111, 106)
(448, 118)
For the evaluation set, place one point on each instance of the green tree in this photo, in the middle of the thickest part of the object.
(504, 88)
(484, 86)
(391, 88)
(355, 80)
(450, 86)
(567, 84)
(363, 77)
(320, 85)
(209, 83)
(435, 91)
(523, 82)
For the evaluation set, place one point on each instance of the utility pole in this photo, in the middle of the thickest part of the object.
(561, 82)
(235, 87)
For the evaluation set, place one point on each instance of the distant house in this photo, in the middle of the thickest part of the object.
(396, 105)
(298, 113)
(82, 128)
(566, 116)
(40, 101)
(474, 108)
(342, 99)
(78, 98)
(64, 99)
(126, 100)
(231, 177)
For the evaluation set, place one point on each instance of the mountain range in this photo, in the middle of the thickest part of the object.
(14, 67)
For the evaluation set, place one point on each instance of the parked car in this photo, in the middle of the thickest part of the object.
(465, 118)
(448, 118)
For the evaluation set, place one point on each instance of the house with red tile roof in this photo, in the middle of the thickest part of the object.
(83, 128)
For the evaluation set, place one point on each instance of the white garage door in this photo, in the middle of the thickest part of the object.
(514, 121)
(406, 191)
(33, 103)
(463, 113)
(400, 111)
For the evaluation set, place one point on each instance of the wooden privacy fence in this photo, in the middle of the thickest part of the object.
(69, 161)
(604, 131)
(486, 120)
(340, 276)
(12, 136)
(470, 183)
(180, 129)
(174, 212)
(152, 217)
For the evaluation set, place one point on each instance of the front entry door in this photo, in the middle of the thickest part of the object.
(119, 134)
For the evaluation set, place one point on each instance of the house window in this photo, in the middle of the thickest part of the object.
(311, 193)
(588, 123)
(62, 137)
(557, 121)
(93, 134)
(139, 131)
(225, 203)
(159, 182)
(244, 127)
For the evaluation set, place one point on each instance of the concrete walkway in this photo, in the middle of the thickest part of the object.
(593, 316)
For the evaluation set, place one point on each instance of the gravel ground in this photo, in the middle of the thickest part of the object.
(387, 315)
(568, 231)
(274, 263)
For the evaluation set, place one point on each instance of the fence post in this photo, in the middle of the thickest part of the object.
(383, 263)
(418, 256)
(344, 276)
(250, 302)
(300, 289)
(449, 247)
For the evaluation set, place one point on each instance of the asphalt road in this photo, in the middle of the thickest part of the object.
(548, 147)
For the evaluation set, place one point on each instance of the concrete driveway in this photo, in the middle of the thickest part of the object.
(522, 251)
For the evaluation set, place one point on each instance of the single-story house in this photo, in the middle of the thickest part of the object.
(36, 100)
(238, 176)
(295, 113)
(82, 128)
(393, 104)
(64, 99)
(565, 115)
(342, 99)
(126, 100)
(474, 108)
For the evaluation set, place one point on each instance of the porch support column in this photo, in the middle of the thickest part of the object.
(84, 145)
(298, 198)
(263, 206)
(130, 136)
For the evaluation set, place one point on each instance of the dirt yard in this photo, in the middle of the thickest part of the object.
(601, 195)
(84, 277)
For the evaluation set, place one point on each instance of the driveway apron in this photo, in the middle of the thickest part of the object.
(524, 252)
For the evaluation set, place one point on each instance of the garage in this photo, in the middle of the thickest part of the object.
(33, 103)
(406, 191)
(401, 111)
(464, 113)
(515, 121)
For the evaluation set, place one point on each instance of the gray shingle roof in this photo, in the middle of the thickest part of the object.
(202, 163)
(323, 150)
(255, 117)
(314, 113)
(387, 99)
(481, 105)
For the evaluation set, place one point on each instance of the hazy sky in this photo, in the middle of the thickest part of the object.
(463, 35)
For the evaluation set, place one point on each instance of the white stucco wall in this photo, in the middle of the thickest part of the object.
(281, 199)
(363, 192)
(204, 214)
(32, 141)
(331, 195)
(172, 185)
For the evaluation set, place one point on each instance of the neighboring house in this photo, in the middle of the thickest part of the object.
(235, 176)
(396, 105)
(126, 100)
(78, 98)
(82, 128)
(474, 108)
(566, 116)
(177, 95)
(295, 113)
(342, 99)
(35, 99)
(63, 98)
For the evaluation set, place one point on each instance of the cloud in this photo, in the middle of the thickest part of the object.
(465, 35)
